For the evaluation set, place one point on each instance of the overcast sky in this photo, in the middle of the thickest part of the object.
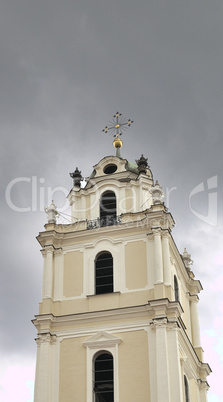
(66, 67)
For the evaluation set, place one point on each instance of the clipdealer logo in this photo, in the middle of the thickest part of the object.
(209, 191)
(41, 195)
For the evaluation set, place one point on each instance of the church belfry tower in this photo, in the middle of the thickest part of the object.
(118, 318)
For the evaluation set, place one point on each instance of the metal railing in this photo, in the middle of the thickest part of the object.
(106, 221)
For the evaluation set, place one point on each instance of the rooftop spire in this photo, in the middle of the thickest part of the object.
(116, 128)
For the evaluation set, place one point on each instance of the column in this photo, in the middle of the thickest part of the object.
(47, 285)
(58, 275)
(195, 322)
(162, 369)
(166, 258)
(158, 256)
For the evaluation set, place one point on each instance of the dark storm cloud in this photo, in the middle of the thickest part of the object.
(65, 69)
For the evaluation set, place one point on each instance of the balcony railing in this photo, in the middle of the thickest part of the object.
(106, 221)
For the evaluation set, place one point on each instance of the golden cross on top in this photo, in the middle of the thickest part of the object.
(118, 125)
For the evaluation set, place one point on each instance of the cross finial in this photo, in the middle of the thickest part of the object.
(116, 128)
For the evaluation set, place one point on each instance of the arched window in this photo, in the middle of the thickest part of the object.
(186, 389)
(176, 288)
(108, 209)
(103, 378)
(104, 273)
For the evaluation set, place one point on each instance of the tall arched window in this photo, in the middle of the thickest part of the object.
(176, 288)
(104, 273)
(108, 209)
(186, 389)
(103, 378)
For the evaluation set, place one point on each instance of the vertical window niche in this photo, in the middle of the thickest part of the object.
(104, 273)
(176, 289)
(102, 367)
(186, 389)
(108, 209)
(103, 377)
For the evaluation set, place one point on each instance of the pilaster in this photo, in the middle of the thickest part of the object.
(158, 255)
(174, 363)
(58, 274)
(162, 369)
(47, 284)
(166, 258)
(203, 388)
(44, 369)
(195, 328)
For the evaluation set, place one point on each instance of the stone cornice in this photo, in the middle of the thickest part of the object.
(163, 307)
(57, 235)
(82, 318)
(157, 309)
(117, 181)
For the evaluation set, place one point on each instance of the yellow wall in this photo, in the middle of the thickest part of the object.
(129, 200)
(134, 367)
(193, 389)
(72, 371)
(73, 274)
(135, 265)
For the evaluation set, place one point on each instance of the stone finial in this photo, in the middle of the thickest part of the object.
(52, 212)
(142, 164)
(187, 259)
(76, 176)
(157, 193)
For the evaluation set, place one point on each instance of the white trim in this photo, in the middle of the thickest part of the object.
(89, 265)
(106, 342)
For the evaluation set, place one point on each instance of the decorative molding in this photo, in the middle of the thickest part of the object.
(203, 384)
(47, 250)
(164, 323)
(166, 234)
(173, 326)
(160, 323)
(58, 252)
(102, 340)
(193, 298)
(150, 236)
(156, 231)
(46, 338)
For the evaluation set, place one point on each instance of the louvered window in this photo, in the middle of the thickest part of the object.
(104, 273)
(186, 389)
(103, 382)
(176, 288)
(108, 209)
